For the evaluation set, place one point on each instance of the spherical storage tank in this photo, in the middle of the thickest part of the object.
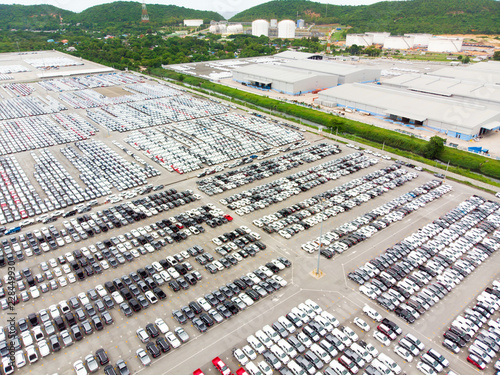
(286, 29)
(235, 29)
(260, 27)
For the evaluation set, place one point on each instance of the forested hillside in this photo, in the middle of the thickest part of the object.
(425, 16)
(117, 14)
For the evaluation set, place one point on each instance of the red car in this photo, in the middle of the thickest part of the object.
(221, 366)
(228, 217)
(198, 372)
(476, 361)
(241, 371)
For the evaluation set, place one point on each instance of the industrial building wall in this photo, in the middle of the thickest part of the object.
(399, 42)
(445, 45)
(363, 75)
(314, 83)
(359, 40)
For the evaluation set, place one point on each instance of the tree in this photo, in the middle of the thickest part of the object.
(496, 56)
(434, 147)
(466, 60)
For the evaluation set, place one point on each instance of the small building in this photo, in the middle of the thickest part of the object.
(193, 23)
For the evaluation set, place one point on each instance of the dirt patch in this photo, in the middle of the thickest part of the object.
(112, 91)
(492, 40)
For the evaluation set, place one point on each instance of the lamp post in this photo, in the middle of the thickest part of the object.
(320, 235)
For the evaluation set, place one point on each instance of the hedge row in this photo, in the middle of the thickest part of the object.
(463, 159)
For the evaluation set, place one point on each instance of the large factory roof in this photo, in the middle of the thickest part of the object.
(275, 73)
(295, 55)
(476, 74)
(413, 105)
(326, 67)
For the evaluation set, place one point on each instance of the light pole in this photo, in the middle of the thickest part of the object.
(320, 235)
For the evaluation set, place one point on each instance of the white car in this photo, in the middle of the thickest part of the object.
(425, 368)
(240, 357)
(83, 298)
(249, 352)
(100, 290)
(372, 313)
(172, 340)
(27, 338)
(162, 326)
(71, 278)
(331, 318)
(31, 353)
(379, 336)
(80, 368)
(361, 324)
(20, 359)
(403, 353)
(43, 348)
(314, 306)
(205, 305)
(350, 333)
(256, 344)
(117, 297)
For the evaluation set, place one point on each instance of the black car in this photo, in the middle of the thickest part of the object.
(180, 317)
(102, 356)
(152, 330)
(153, 349)
(207, 319)
(199, 325)
(162, 344)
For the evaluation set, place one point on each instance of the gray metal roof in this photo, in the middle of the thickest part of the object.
(274, 73)
(476, 91)
(328, 67)
(295, 55)
(475, 75)
(439, 109)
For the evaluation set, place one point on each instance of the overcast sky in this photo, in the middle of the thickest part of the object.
(221, 6)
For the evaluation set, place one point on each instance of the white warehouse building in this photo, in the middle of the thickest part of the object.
(361, 40)
(260, 27)
(193, 23)
(441, 44)
(283, 80)
(454, 117)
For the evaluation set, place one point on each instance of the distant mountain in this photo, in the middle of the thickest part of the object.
(39, 17)
(412, 16)
(47, 17)
(130, 12)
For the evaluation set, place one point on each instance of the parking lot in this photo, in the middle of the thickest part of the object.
(114, 168)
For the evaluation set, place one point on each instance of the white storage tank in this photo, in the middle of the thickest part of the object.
(260, 27)
(235, 29)
(214, 29)
(286, 29)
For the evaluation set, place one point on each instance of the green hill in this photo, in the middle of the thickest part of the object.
(120, 13)
(36, 17)
(424, 16)
(130, 12)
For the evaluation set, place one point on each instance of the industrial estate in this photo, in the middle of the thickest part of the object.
(319, 208)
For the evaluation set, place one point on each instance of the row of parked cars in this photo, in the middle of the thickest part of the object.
(402, 278)
(101, 168)
(96, 258)
(256, 171)
(45, 240)
(205, 312)
(467, 329)
(350, 233)
(340, 199)
(262, 196)
(54, 328)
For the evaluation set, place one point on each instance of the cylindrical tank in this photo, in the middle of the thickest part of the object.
(235, 29)
(286, 29)
(214, 29)
(260, 27)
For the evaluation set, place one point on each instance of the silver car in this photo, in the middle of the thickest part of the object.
(183, 336)
(143, 357)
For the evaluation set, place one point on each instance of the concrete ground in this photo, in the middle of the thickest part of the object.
(333, 292)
